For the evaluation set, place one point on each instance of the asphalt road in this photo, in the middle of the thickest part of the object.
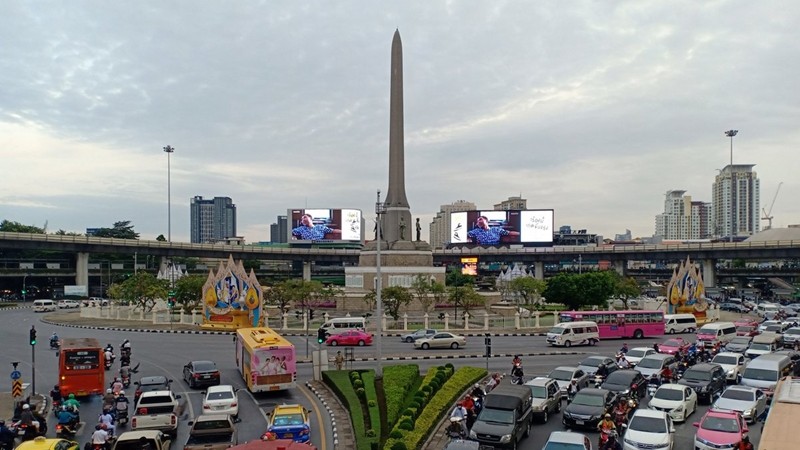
(165, 354)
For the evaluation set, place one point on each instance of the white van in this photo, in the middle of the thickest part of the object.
(44, 305)
(340, 324)
(679, 323)
(721, 332)
(765, 371)
(569, 333)
(767, 309)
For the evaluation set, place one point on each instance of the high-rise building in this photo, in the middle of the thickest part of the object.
(744, 200)
(682, 218)
(511, 203)
(440, 227)
(278, 231)
(212, 220)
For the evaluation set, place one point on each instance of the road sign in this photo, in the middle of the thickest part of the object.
(16, 375)
(16, 388)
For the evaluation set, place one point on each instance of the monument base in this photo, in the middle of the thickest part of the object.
(401, 262)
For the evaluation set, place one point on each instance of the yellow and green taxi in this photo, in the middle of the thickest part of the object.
(43, 443)
(288, 422)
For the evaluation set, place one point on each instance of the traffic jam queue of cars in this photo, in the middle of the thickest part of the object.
(635, 397)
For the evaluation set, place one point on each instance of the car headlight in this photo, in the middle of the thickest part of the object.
(630, 442)
(505, 439)
(730, 372)
(747, 412)
(665, 444)
(473, 435)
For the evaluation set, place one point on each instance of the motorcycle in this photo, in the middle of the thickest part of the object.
(609, 440)
(108, 363)
(55, 344)
(651, 389)
(66, 431)
(455, 430)
(23, 431)
(598, 380)
(126, 382)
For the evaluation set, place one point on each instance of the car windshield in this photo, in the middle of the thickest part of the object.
(725, 359)
(792, 331)
(757, 346)
(563, 446)
(288, 419)
(774, 328)
(744, 329)
(650, 363)
(636, 353)
(738, 394)
(697, 375)
(556, 330)
(721, 424)
(496, 415)
(669, 394)
(709, 330)
(203, 366)
(539, 392)
(592, 361)
(621, 378)
(740, 340)
(648, 424)
(760, 374)
(672, 343)
(225, 395)
(588, 400)
(561, 375)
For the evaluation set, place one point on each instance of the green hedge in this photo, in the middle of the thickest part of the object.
(374, 412)
(437, 407)
(397, 382)
(340, 382)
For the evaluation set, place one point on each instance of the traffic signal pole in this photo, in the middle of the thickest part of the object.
(33, 359)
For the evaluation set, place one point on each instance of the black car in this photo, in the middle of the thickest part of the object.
(707, 379)
(734, 307)
(590, 364)
(625, 381)
(201, 373)
(588, 407)
(147, 384)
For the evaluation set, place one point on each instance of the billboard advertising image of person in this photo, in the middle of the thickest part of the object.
(494, 228)
(325, 225)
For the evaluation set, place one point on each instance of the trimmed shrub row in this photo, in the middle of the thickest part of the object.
(402, 438)
(397, 381)
(374, 434)
(341, 383)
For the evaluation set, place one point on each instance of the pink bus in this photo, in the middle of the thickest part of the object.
(620, 324)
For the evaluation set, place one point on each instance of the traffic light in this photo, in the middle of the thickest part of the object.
(310, 315)
(171, 300)
(33, 336)
(320, 336)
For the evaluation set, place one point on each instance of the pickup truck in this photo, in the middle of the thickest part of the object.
(141, 440)
(211, 432)
(157, 410)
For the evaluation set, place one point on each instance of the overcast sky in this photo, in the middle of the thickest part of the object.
(594, 109)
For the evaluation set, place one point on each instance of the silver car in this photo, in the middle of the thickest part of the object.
(419, 334)
(565, 374)
(747, 401)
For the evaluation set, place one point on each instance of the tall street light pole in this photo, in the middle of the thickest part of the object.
(380, 209)
(731, 134)
(169, 150)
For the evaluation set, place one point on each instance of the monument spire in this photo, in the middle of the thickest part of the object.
(397, 221)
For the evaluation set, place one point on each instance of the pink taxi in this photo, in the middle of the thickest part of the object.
(719, 429)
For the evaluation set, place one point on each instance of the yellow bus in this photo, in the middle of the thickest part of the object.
(266, 360)
(779, 429)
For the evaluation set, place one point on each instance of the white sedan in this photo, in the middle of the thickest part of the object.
(677, 400)
(636, 354)
(747, 401)
(648, 428)
(221, 399)
(441, 340)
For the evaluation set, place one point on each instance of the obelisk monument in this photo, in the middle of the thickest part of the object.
(396, 223)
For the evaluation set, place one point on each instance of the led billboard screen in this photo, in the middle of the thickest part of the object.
(325, 225)
(495, 228)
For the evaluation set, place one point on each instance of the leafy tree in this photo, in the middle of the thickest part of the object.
(327, 293)
(67, 233)
(141, 290)
(120, 230)
(161, 238)
(439, 292)
(16, 227)
(455, 278)
(530, 289)
(278, 295)
(392, 299)
(578, 291)
(422, 288)
(189, 292)
(465, 297)
(626, 288)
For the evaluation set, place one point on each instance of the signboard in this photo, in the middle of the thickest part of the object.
(80, 290)
(469, 266)
(497, 228)
(325, 225)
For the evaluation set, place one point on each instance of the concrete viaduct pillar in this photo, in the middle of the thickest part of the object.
(307, 270)
(710, 272)
(621, 267)
(538, 270)
(82, 269)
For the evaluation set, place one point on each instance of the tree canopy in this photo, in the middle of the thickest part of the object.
(16, 227)
(578, 291)
(120, 230)
(141, 290)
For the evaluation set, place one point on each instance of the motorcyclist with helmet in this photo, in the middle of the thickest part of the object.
(7, 436)
(100, 438)
(67, 419)
(621, 412)
(607, 428)
(54, 341)
(55, 395)
(72, 404)
(121, 407)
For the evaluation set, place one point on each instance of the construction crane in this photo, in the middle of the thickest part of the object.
(768, 214)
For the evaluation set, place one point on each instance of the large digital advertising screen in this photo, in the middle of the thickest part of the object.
(496, 228)
(325, 225)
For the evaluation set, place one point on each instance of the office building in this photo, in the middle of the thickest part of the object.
(212, 220)
(278, 231)
(512, 203)
(683, 219)
(440, 227)
(744, 199)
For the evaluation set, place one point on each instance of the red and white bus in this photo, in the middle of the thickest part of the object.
(620, 324)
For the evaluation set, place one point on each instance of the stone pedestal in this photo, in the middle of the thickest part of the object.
(401, 262)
